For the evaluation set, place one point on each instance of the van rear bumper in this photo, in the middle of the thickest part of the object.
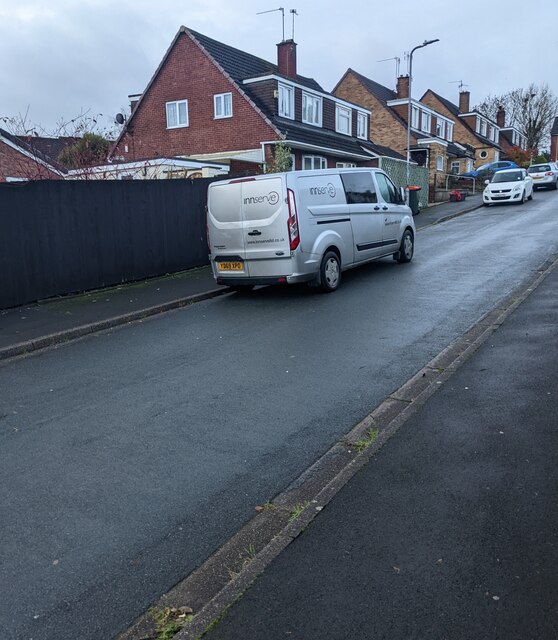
(263, 280)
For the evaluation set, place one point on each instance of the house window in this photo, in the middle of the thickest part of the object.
(222, 103)
(362, 126)
(440, 128)
(286, 101)
(483, 155)
(483, 128)
(343, 119)
(455, 166)
(469, 164)
(449, 131)
(177, 114)
(311, 109)
(414, 117)
(313, 162)
(344, 165)
(440, 163)
(425, 122)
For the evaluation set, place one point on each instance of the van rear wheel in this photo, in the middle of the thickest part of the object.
(330, 272)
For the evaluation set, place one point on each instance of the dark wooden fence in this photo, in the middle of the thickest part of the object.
(59, 237)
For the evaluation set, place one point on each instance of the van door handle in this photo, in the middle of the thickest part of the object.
(255, 233)
(376, 208)
(385, 208)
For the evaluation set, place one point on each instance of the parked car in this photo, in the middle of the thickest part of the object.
(486, 171)
(305, 226)
(544, 175)
(515, 185)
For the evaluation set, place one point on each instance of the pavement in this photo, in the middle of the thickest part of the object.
(49, 322)
(450, 530)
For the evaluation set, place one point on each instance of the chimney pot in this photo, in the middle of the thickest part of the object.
(286, 58)
(402, 88)
(464, 97)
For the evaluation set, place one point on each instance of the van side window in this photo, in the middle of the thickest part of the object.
(387, 189)
(359, 187)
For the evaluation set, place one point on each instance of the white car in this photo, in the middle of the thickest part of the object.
(544, 175)
(512, 185)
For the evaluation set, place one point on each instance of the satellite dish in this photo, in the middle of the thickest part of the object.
(120, 119)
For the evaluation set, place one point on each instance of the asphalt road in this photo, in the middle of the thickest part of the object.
(450, 532)
(129, 456)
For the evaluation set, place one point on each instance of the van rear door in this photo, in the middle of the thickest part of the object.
(265, 217)
(225, 228)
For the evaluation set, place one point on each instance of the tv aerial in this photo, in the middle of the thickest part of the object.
(397, 64)
(282, 10)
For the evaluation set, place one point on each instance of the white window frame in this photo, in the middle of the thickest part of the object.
(314, 160)
(483, 127)
(440, 162)
(455, 164)
(449, 131)
(312, 115)
(362, 126)
(414, 117)
(343, 114)
(220, 103)
(469, 164)
(477, 124)
(176, 105)
(426, 122)
(345, 165)
(285, 107)
(440, 128)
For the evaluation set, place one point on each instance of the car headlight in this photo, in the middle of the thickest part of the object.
(516, 188)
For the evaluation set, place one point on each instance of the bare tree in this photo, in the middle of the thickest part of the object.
(531, 111)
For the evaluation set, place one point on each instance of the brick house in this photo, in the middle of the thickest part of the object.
(510, 137)
(431, 133)
(29, 158)
(472, 129)
(211, 102)
(554, 141)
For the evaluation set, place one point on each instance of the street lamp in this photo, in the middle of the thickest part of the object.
(424, 44)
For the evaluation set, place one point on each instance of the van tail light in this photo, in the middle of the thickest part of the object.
(292, 222)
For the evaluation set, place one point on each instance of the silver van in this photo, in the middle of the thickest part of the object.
(305, 226)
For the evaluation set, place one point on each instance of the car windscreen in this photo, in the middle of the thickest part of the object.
(483, 167)
(539, 168)
(507, 176)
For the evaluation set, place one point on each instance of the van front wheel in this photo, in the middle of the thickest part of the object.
(407, 247)
(330, 272)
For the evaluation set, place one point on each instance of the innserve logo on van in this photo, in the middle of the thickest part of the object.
(328, 189)
(271, 198)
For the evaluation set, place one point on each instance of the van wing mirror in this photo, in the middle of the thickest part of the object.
(402, 195)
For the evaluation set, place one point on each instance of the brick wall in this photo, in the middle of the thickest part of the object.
(188, 74)
(14, 164)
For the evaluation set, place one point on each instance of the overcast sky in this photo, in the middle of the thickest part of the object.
(61, 57)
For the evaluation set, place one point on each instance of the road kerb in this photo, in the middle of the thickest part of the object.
(319, 484)
(67, 335)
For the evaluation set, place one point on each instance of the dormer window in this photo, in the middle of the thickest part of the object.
(177, 114)
(483, 127)
(286, 101)
(343, 119)
(414, 117)
(311, 109)
(362, 126)
(425, 122)
(449, 131)
(440, 128)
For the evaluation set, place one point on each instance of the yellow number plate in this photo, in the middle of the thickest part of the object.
(230, 266)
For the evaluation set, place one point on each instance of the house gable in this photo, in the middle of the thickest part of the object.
(187, 73)
(20, 161)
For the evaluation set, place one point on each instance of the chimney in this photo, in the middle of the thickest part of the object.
(464, 101)
(501, 117)
(286, 58)
(134, 99)
(402, 88)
